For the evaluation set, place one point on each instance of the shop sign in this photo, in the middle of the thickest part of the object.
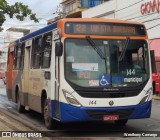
(150, 7)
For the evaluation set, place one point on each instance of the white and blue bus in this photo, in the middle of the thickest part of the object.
(82, 70)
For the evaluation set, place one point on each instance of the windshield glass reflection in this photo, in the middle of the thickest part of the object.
(123, 65)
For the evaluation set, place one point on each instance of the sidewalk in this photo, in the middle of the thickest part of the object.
(156, 97)
(2, 85)
(2, 88)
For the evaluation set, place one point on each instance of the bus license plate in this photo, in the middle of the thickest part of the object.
(110, 117)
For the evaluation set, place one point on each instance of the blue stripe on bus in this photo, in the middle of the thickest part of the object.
(70, 113)
(38, 32)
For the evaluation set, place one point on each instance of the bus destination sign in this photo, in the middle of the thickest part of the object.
(106, 29)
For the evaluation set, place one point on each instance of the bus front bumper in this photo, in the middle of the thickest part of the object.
(69, 113)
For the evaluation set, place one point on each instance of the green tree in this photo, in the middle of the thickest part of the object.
(18, 10)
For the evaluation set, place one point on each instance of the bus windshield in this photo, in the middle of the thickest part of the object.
(124, 65)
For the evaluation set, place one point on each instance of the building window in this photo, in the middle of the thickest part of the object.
(67, 8)
(90, 3)
(74, 5)
(97, 2)
(70, 6)
(85, 3)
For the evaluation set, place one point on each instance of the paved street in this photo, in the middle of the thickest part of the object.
(85, 60)
(10, 119)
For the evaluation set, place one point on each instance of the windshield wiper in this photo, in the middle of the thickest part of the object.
(93, 45)
(124, 49)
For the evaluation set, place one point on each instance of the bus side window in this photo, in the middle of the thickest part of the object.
(22, 56)
(36, 52)
(19, 56)
(46, 51)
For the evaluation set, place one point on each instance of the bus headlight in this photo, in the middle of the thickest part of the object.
(70, 98)
(147, 96)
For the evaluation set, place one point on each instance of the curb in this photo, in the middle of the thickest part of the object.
(156, 97)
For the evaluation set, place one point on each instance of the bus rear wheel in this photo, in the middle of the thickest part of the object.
(49, 122)
(121, 122)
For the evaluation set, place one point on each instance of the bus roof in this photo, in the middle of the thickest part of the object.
(38, 32)
(99, 20)
(62, 21)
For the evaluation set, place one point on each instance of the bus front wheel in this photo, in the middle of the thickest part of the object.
(49, 122)
(121, 122)
(20, 108)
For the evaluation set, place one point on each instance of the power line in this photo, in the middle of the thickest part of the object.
(141, 16)
(24, 25)
(154, 38)
(148, 17)
(144, 16)
(153, 27)
(150, 20)
(129, 6)
(129, 15)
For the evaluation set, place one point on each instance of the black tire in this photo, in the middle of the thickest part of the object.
(20, 108)
(121, 122)
(49, 122)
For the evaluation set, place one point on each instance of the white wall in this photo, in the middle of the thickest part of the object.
(3, 58)
(127, 10)
(132, 11)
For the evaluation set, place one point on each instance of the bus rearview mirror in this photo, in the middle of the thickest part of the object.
(58, 48)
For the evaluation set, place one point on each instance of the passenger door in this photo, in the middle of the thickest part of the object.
(26, 70)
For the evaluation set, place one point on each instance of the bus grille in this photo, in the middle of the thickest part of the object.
(108, 94)
(98, 114)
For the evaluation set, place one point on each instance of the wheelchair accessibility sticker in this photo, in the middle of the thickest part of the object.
(104, 80)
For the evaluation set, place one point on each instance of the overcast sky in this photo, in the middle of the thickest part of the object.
(43, 8)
